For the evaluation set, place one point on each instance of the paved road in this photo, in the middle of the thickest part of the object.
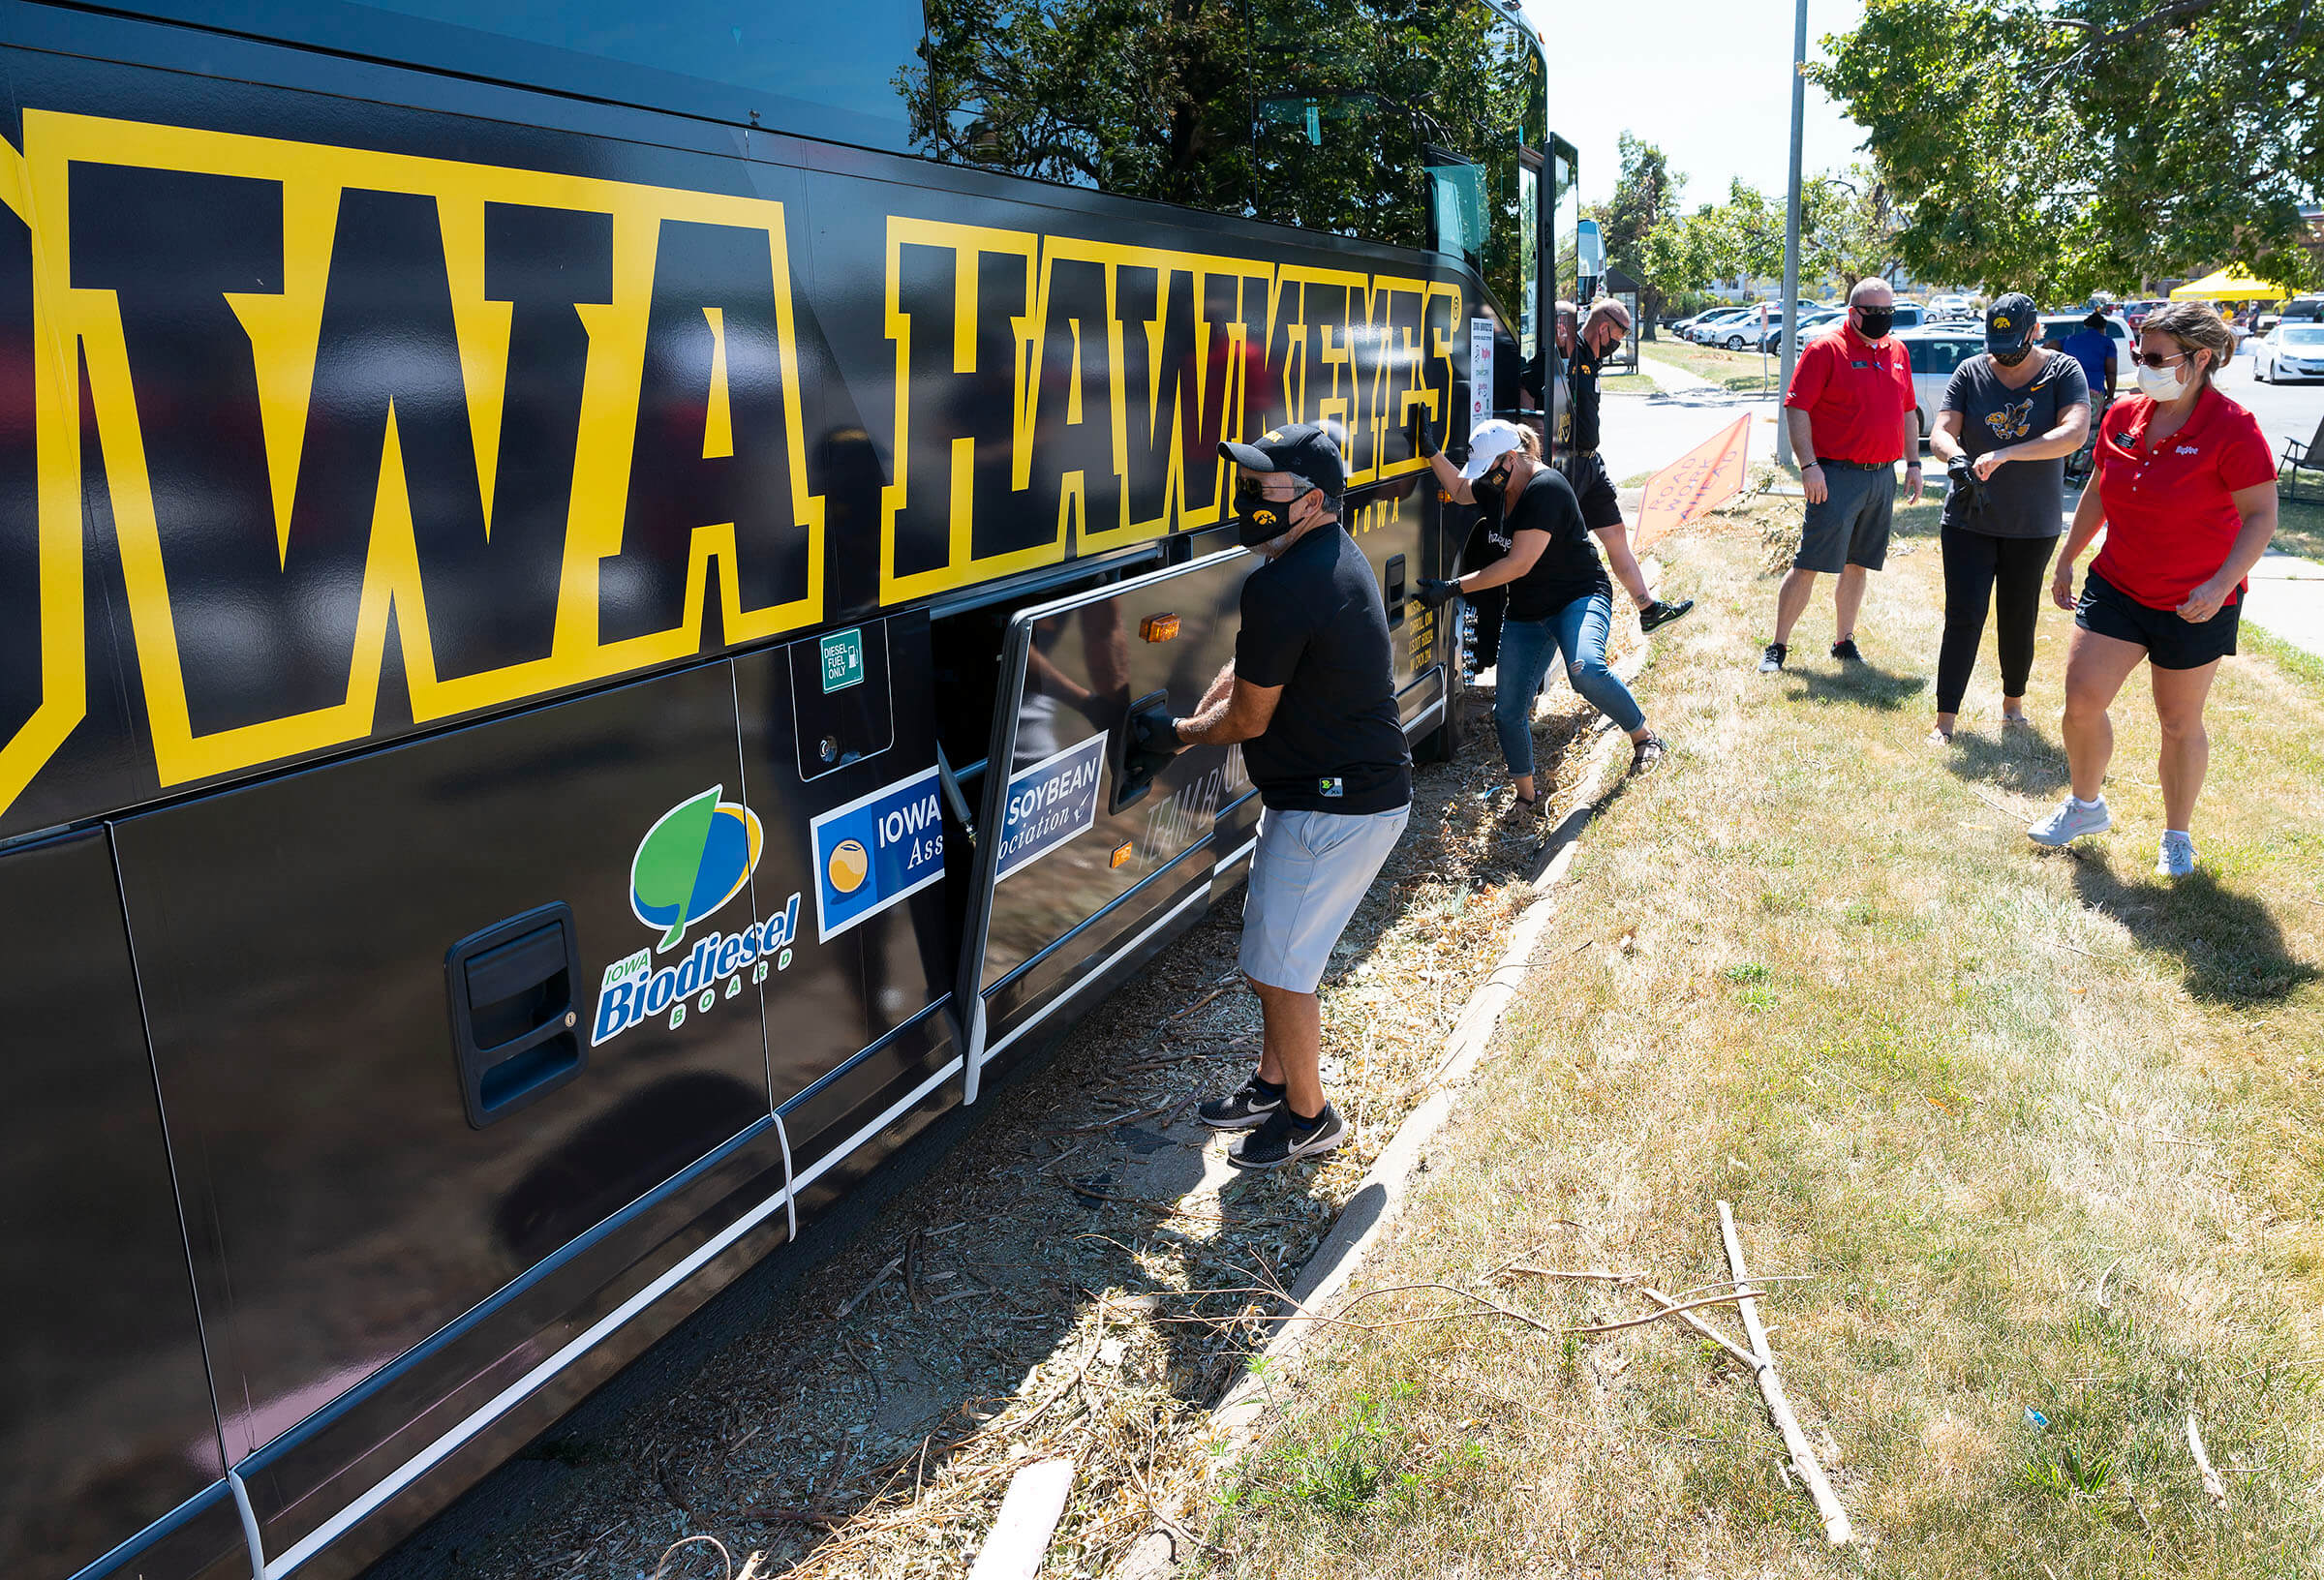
(1642, 434)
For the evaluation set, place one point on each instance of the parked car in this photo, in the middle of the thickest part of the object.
(1704, 330)
(2291, 350)
(1934, 353)
(1743, 331)
(1945, 308)
(1811, 322)
(2304, 309)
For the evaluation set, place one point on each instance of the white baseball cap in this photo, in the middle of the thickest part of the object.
(1489, 441)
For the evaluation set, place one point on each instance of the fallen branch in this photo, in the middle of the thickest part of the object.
(2213, 1487)
(877, 1279)
(1667, 1311)
(727, 1558)
(1130, 1118)
(1197, 1004)
(1836, 1525)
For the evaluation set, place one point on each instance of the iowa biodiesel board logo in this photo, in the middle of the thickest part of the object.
(695, 858)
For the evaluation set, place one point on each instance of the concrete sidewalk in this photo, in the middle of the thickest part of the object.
(2286, 599)
(1642, 434)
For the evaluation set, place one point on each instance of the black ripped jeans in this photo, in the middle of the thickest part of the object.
(1979, 569)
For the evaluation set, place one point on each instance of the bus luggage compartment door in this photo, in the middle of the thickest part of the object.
(352, 1183)
(1078, 868)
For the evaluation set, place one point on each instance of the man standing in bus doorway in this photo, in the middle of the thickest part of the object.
(1850, 411)
(1600, 508)
(1311, 695)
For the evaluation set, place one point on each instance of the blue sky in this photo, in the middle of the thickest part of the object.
(1708, 80)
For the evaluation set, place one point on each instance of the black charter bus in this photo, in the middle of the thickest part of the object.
(572, 579)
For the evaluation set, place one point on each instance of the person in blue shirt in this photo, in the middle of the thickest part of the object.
(2093, 347)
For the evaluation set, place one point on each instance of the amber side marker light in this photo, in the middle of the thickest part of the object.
(1157, 628)
(1121, 854)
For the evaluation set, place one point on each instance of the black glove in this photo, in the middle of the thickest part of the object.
(1154, 741)
(1433, 594)
(1423, 435)
(1960, 475)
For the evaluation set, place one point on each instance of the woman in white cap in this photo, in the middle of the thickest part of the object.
(1559, 596)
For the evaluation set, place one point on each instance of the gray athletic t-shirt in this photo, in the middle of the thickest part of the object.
(2024, 499)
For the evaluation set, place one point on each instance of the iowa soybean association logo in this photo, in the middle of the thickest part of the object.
(695, 858)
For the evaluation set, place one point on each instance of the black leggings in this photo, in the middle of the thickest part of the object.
(1980, 568)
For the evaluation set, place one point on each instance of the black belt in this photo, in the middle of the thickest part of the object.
(1857, 466)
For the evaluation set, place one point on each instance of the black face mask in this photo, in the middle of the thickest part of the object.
(1491, 489)
(1872, 323)
(2010, 359)
(1259, 519)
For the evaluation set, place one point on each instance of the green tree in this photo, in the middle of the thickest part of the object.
(1645, 194)
(2066, 146)
(1848, 227)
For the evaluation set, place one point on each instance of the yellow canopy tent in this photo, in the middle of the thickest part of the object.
(2232, 283)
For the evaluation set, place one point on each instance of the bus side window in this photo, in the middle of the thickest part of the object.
(1348, 163)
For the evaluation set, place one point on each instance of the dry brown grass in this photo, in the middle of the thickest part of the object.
(2047, 1136)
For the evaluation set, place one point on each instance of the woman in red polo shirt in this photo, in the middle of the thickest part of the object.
(2185, 490)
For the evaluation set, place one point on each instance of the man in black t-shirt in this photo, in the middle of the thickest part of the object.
(1601, 510)
(1311, 696)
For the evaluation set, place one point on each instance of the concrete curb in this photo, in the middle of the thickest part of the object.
(1388, 1185)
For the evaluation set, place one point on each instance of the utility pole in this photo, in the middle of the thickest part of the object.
(1800, 108)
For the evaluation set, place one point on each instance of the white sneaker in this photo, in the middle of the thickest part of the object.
(2071, 822)
(2176, 858)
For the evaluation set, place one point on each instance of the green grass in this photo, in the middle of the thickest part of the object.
(2042, 1135)
(1627, 381)
(2300, 522)
(1728, 370)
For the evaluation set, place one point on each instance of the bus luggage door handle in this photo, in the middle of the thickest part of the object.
(516, 1027)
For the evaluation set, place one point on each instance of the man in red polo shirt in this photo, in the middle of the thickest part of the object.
(1850, 411)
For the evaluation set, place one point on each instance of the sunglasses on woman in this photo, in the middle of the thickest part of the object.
(2149, 359)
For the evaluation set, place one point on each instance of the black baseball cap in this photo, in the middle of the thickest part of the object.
(2012, 322)
(1303, 451)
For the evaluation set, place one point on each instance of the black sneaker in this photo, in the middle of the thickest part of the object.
(1644, 755)
(1771, 662)
(1285, 1138)
(1661, 613)
(1846, 652)
(1248, 1104)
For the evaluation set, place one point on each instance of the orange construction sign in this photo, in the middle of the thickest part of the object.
(1698, 481)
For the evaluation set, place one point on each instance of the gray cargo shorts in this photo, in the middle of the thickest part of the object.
(1851, 527)
(1311, 871)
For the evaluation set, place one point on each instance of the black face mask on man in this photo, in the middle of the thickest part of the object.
(1872, 323)
(2010, 359)
(1258, 519)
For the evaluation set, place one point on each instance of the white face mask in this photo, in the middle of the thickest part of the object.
(2162, 384)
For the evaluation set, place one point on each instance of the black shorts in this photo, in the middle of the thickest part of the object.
(1586, 471)
(2171, 643)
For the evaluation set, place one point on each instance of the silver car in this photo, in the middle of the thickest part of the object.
(2291, 350)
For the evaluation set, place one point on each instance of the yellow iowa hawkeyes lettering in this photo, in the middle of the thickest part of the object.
(283, 333)
(394, 456)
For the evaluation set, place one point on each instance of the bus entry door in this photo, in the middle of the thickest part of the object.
(1082, 865)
